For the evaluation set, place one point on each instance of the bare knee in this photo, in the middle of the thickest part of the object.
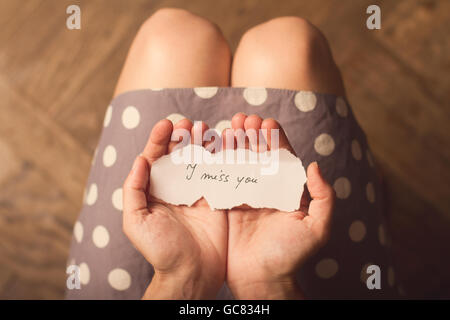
(287, 52)
(291, 38)
(169, 32)
(175, 48)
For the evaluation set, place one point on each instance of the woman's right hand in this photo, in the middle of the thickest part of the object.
(187, 246)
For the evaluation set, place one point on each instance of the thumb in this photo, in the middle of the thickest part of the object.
(134, 191)
(322, 194)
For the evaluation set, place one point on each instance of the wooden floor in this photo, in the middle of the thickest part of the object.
(55, 85)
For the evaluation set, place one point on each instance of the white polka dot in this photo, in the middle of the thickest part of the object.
(370, 192)
(119, 279)
(391, 276)
(130, 117)
(206, 92)
(92, 195)
(356, 150)
(324, 144)
(327, 268)
(85, 274)
(370, 158)
(222, 125)
(341, 107)
(382, 235)
(357, 231)
(117, 199)
(343, 188)
(175, 117)
(100, 236)
(78, 231)
(255, 96)
(108, 116)
(364, 274)
(305, 101)
(109, 156)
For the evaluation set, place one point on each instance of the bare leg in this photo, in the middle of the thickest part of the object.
(289, 53)
(175, 48)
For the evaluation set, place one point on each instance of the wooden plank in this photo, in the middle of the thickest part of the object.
(344, 26)
(13, 14)
(417, 33)
(36, 221)
(48, 62)
(411, 138)
(39, 140)
(419, 237)
(83, 114)
(406, 128)
(9, 162)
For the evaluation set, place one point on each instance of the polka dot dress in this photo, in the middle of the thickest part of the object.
(320, 127)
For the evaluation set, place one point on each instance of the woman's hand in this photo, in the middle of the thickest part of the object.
(266, 246)
(187, 246)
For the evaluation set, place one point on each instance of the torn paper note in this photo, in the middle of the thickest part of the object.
(229, 178)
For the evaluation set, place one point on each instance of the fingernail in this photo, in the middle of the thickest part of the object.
(318, 168)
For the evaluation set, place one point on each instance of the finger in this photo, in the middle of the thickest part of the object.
(252, 125)
(135, 190)
(206, 142)
(322, 194)
(184, 124)
(228, 139)
(158, 141)
(197, 132)
(237, 123)
(283, 142)
(213, 140)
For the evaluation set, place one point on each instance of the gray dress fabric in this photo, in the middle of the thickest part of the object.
(320, 127)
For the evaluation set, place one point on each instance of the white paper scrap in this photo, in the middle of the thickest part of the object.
(227, 179)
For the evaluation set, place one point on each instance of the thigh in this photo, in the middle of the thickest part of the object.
(287, 53)
(175, 48)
